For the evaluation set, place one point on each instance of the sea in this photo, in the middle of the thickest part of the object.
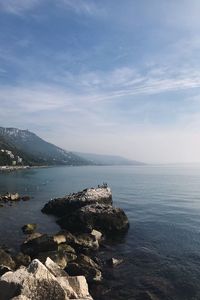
(160, 252)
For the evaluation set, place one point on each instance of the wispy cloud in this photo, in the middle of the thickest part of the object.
(88, 7)
(17, 7)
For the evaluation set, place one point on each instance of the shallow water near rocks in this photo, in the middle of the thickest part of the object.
(161, 251)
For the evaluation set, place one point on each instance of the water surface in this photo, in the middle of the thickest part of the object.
(162, 248)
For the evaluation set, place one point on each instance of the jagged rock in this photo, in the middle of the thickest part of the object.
(40, 244)
(62, 277)
(80, 286)
(113, 262)
(84, 265)
(69, 203)
(35, 282)
(6, 260)
(105, 218)
(22, 259)
(29, 228)
(54, 268)
(40, 282)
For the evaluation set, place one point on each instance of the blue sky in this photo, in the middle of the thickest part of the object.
(112, 77)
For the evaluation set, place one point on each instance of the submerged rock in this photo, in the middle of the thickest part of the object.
(39, 244)
(105, 218)
(113, 262)
(29, 228)
(69, 203)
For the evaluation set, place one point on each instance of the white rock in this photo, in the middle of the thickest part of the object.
(59, 238)
(35, 282)
(54, 268)
(42, 282)
(80, 286)
(97, 234)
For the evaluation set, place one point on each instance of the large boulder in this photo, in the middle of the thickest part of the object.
(34, 282)
(69, 203)
(105, 218)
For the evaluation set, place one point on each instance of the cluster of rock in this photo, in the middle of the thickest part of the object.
(57, 266)
(42, 281)
(88, 210)
(13, 197)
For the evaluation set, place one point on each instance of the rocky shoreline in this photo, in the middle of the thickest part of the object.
(63, 265)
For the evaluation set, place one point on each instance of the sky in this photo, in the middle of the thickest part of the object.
(108, 77)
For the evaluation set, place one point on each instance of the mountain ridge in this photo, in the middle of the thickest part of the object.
(28, 148)
(35, 150)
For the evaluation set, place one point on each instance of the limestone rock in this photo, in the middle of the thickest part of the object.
(54, 268)
(35, 282)
(42, 282)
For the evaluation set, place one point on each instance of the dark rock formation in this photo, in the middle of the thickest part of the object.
(86, 266)
(40, 244)
(89, 210)
(102, 217)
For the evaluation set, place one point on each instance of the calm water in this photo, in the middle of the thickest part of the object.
(162, 247)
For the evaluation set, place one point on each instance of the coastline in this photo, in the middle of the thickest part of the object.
(17, 168)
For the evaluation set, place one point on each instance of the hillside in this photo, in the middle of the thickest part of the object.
(33, 150)
(99, 159)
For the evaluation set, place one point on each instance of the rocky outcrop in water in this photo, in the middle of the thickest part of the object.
(87, 210)
(61, 263)
(12, 197)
